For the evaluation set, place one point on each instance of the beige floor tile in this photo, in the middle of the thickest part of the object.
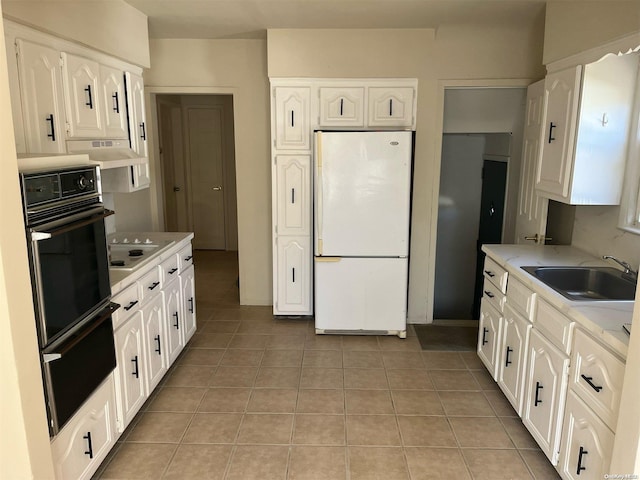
(319, 430)
(362, 359)
(200, 356)
(472, 360)
(402, 359)
(518, 432)
(443, 360)
(139, 461)
(272, 400)
(211, 340)
(234, 377)
(416, 402)
(392, 342)
(241, 357)
(177, 399)
(278, 377)
(539, 465)
(196, 462)
(480, 432)
(426, 431)
(249, 341)
(285, 342)
(453, 380)
(496, 464)
(259, 462)
(321, 378)
(253, 327)
(500, 404)
(221, 326)
(322, 358)
(366, 463)
(465, 403)
(266, 429)
(436, 464)
(485, 380)
(321, 401)
(360, 342)
(379, 430)
(290, 327)
(317, 463)
(190, 376)
(282, 358)
(368, 402)
(365, 378)
(323, 342)
(225, 400)
(213, 428)
(160, 427)
(409, 379)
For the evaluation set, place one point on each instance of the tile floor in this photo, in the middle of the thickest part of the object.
(256, 398)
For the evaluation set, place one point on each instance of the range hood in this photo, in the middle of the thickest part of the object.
(106, 153)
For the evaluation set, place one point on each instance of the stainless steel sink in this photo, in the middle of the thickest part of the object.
(587, 283)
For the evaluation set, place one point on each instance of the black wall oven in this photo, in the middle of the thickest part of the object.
(69, 267)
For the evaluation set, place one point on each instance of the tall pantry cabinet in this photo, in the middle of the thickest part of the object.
(298, 107)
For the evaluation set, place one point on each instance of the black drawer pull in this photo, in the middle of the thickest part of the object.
(551, 127)
(186, 259)
(131, 305)
(341, 106)
(490, 273)
(191, 305)
(89, 103)
(537, 400)
(158, 350)
(293, 195)
(153, 285)
(391, 107)
(582, 453)
(116, 102)
(172, 271)
(136, 372)
(177, 325)
(489, 294)
(484, 336)
(507, 361)
(143, 135)
(89, 452)
(51, 135)
(591, 384)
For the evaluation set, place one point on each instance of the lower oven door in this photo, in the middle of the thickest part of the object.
(74, 368)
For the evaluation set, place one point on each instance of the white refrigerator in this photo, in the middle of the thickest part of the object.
(362, 188)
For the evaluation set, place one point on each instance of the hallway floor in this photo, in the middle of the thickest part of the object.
(256, 398)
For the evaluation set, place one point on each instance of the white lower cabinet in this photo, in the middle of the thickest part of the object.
(546, 390)
(86, 439)
(489, 336)
(586, 444)
(188, 290)
(294, 275)
(155, 342)
(174, 319)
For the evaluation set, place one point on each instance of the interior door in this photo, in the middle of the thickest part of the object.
(206, 147)
(531, 220)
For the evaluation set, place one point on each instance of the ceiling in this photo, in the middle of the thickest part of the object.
(251, 18)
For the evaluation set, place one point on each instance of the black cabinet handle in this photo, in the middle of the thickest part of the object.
(131, 305)
(484, 336)
(172, 271)
(177, 325)
(581, 455)
(89, 452)
(489, 294)
(144, 132)
(116, 102)
(51, 135)
(391, 107)
(293, 275)
(590, 382)
(135, 372)
(293, 123)
(341, 106)
(537, 400)
(153, 285)
(293, 195)
(191, 305)
(157, 350)
(90, 102)
(490, 273)
(507, 361)
(551, 127)
(186, 259)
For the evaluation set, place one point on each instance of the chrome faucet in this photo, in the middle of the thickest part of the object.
(627, 268)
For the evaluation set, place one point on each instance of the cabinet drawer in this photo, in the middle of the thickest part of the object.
(493, 295)
(521, 299)
(555, 326)
(596, 377)
(185, 258)
(149, 284)
(129, 301)
(170, 269)
(496, 274)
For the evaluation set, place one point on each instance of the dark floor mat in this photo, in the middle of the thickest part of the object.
(445, 338)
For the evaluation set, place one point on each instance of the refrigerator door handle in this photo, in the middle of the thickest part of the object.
(319, 192)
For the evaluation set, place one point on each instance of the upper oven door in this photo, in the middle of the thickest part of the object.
(70, 271)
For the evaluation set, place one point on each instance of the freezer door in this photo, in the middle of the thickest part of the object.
(362, 187)
(361, 294)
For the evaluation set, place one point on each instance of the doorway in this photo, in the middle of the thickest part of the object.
(197, 156)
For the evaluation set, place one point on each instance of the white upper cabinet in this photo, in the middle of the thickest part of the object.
(342, 106)
(391, 106)
(113, 98)
(292, 129)
(137, 114)
(82, 92)
(42, 97)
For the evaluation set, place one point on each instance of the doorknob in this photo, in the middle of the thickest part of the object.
(217, 189)
(176, 189)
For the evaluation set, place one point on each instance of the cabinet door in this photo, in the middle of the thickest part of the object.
(545, 395)
(188, 287)
(82, 97)
(390, 107)
(155, 342)
(513, 356)
(174, 321)
(291, 107)
(586, 443)
(294, 194)
(130, 370)
(42, 98)
(341, 107)
(293, 275)
(489, 336)
(561, 98)
(114, 101)
(137, 114)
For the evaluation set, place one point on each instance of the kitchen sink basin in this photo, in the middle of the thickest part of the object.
(587, 283)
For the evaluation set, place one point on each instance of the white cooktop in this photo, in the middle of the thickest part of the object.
(130, 252)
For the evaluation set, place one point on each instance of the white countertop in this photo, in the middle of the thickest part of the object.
(603, 319)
